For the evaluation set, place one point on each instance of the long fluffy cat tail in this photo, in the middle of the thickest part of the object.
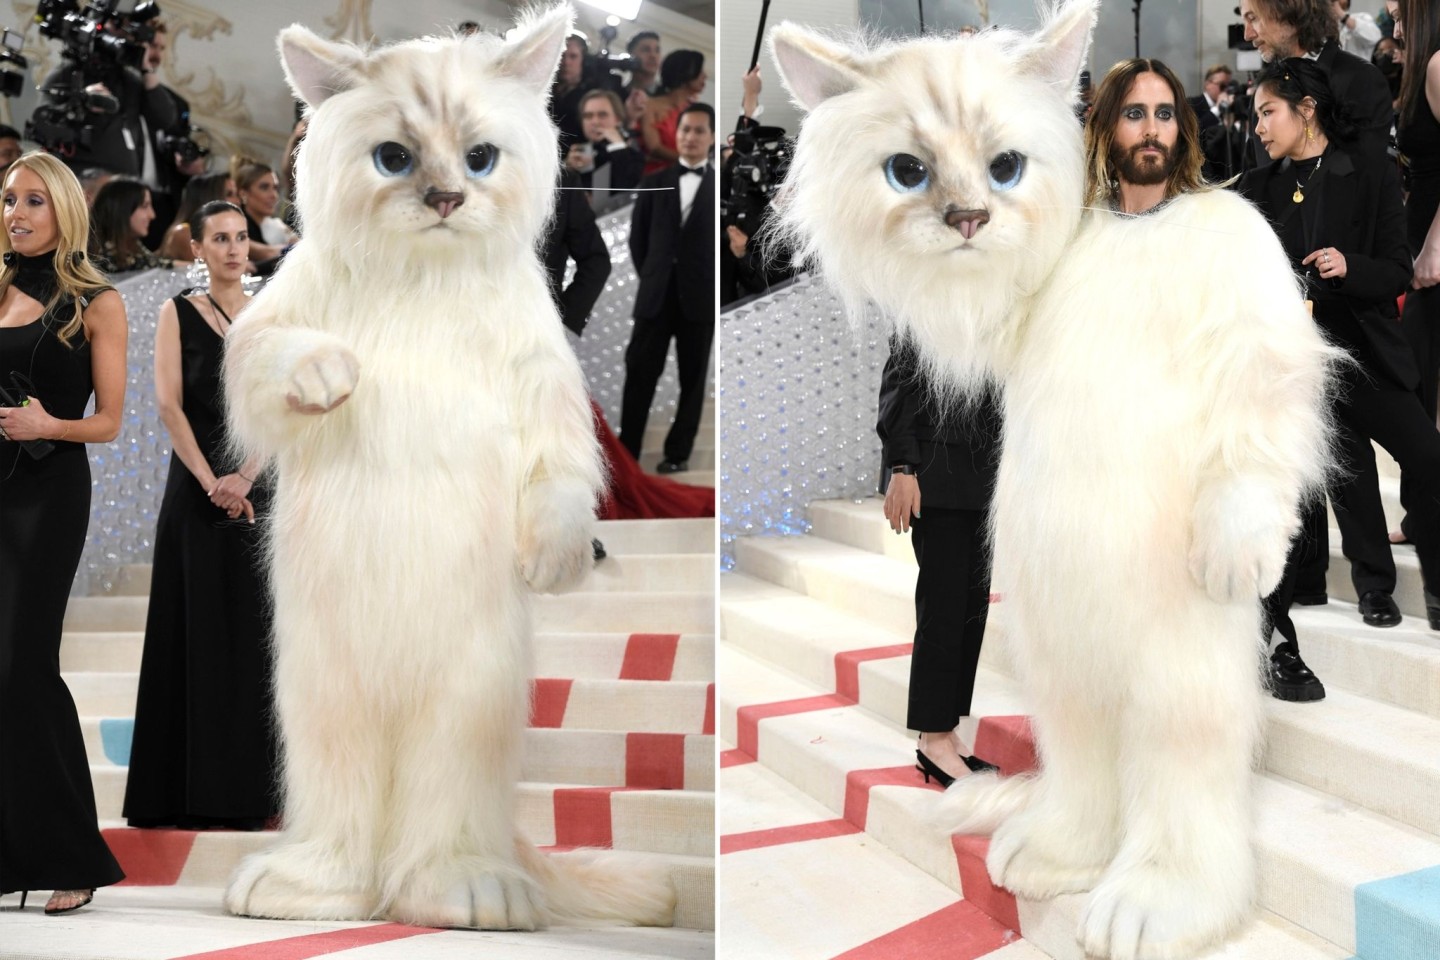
(978, 803)
(600, 886)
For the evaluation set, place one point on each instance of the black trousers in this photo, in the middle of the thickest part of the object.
(1395, 419)
(952, 601)
(1421, 323)
(645, 362)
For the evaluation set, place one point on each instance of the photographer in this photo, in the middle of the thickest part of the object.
(753, 166)
(172, 158)
(96, 99)
(605, 162)
(567, 90)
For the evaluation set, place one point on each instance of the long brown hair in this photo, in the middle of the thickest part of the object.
(1422, 40)
(1100, 174)
(75, 276)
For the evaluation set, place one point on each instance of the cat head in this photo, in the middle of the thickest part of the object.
(938, 178)
(429, 147)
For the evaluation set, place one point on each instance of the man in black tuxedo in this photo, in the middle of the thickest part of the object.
(573, 235)
(605, 160)
(672, 244)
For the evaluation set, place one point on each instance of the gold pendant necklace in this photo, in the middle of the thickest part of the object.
(1299, 195)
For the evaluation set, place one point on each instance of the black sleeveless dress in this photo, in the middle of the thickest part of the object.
(203, 752)
(49, 837)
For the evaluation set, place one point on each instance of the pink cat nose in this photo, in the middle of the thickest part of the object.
(968, 222)
(444, 203)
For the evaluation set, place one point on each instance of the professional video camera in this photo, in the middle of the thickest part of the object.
(12, 81)
(760, 161)
(180, 140)
(97, 43)
(606, 69)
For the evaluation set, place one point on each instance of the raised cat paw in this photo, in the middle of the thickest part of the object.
(554, 550)
(322, 379)
(1241, 537)
(500, 898)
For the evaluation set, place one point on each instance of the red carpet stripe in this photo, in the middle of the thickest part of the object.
(957, 932)
(859, 782)
(655, 761)
(649, 656)
(1006, 742)
(150, 858)
(775, 836)
(314, 944)
(582, 816)
(734, 758)
(709, 725)
(847, 666)
(548, 700)
(747, 719)
(975, 884)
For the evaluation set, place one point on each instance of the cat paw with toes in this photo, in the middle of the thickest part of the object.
(322, 380)
(1020, 862)
(485, 900)
(1147, 914)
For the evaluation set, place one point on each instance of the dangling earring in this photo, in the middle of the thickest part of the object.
(1309, 137)
(10, 258)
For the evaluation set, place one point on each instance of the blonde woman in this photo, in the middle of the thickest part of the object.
(62, 330)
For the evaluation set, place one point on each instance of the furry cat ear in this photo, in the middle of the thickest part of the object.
(813, 68)
(1064, 44)
(318, 69)
(532, 50)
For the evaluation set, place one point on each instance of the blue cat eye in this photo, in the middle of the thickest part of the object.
(393, 159)
(480, 160)
(1006, 170)
(906, 174)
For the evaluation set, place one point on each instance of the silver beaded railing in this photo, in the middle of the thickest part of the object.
(798, 394)
(128, 475)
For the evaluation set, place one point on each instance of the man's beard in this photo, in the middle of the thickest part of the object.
(1139, 172)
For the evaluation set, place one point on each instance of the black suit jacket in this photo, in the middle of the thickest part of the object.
(955, 456)
(661, 247)
(1202, 112)
(626, 165)
(1356, 208)
(117, 140)
(574, 236)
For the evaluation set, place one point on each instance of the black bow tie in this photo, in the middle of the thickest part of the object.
(698, 171)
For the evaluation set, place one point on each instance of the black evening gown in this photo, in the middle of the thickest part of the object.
(203, 752)
(49, 837)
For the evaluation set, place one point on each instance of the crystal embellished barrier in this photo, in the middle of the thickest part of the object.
(798, 391)
(128, 475)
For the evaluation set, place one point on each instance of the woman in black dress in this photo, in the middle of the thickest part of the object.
(203, 753)
(63, 331)
(1340, 217)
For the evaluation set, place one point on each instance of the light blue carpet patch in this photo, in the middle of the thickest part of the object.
(1399, 918)
(115, 736)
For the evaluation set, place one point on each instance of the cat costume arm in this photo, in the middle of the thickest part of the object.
(1262, 352)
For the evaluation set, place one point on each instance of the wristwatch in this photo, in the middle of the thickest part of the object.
(904, 468)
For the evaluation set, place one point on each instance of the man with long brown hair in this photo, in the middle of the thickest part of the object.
(1142, 143)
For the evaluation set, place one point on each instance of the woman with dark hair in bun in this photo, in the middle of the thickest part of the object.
(1340, 217)
(203, 750)
(682, 80)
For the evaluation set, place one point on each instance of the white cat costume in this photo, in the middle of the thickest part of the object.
(411, 522)
(1161, 429)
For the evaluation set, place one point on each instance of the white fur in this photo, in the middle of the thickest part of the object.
(1162, 428)
(455, 470)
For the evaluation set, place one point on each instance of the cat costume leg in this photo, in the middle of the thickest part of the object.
(436, 463)
(1159, 436)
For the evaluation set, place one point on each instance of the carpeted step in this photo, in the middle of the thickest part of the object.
(570, 815)
(591, 656)
(853, 581)
(1396, 665)
(188, 923)
(861, 524)
(664, 761)
(692, 535)
(1319, 858)
(783, 854)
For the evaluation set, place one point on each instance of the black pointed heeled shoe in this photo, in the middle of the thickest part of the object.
(977, 765)
(89, 895)
(23, 895)
(931, 769)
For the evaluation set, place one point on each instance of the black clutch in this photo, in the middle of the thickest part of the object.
(18, 395)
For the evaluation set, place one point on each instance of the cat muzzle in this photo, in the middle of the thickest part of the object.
(443, 202)
(968, 222)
